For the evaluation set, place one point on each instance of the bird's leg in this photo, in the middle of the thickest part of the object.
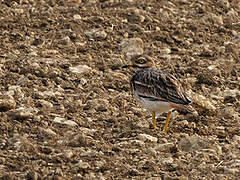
(167, 122)
(154, 120)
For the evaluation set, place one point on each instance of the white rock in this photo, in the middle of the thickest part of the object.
(63, 121)
(146, 137)
(77, 17)
(45, 104)
(66, 40)
(48, 93)
(96, 34)
(202, 101)
(231, 92)
(82, 165)
(80, 69)
(167, 161)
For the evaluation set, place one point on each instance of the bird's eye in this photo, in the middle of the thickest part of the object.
(141, 61)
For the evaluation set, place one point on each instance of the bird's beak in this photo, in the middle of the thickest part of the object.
(127, 65)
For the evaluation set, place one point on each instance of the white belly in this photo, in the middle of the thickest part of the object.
(154, 106)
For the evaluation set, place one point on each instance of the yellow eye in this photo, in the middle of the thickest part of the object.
(141, 61)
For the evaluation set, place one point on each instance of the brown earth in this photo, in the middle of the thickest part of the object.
(56, 123)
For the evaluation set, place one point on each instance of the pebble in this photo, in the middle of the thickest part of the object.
(231, 92)
(48, 132)
(233, 163)
(45, 104)
(151, 152)
(202, 101)
(77, 17)
(192, 143)
(88, 119)
(21, 113)
(65, 41)
(15, 91)
(98, 104)
(82, 165)
(228, 112)
(63, 121)
(167, 161)
(49, 93)
(7, 104)
(164, 147)
(68, 153)
(49, 53)
(230, 170)
(236, 138)
(146, 137)
(80, 69)
(96, 34)
(131, 46)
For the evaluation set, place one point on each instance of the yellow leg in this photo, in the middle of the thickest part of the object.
(167, 122)
(154, 120)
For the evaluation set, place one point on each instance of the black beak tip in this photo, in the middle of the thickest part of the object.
(124, 66)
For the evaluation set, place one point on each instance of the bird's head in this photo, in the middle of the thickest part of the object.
(140, 61)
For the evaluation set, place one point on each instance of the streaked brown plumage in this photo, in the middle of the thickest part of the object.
(156, 90)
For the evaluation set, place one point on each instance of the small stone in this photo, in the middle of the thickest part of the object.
(96, 34)
(151, 152)
(131, 46)
(68, 153)
(146, 137)
(202, 101)
(20, 113)
(97, 104)
(21, 81)
(82, 165)
(223, 3)
(49, 53)
(16, 92)
(228, 112)
(48, 93)
(193, 143)
(45, 104)
(19, 11)
(236, 138)
(166, 50)
(89, 154)
(137, 142)
(32, 175)
(88, 119)
(48, 132)
(63, 121)
(80, 69)
(77, 17)
(231, 92)
(167, 161)
(164, 147)
(65, 41)
(231, 170)
(234, 163)
(216, 19)
(7, 104)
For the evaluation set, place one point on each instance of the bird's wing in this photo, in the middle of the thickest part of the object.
(155, 85)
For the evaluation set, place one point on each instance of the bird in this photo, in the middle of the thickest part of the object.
(156, 90)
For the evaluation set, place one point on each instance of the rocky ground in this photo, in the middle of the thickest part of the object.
(66, 109)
